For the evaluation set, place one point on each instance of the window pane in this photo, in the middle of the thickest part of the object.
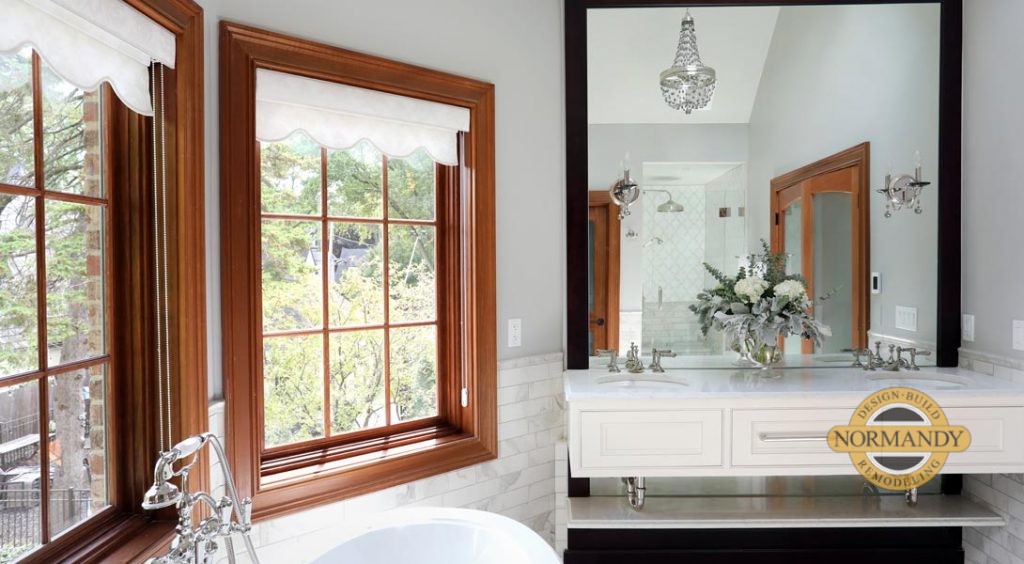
(292, 286)
(293, 389)
(18, 305)
(411, 187)
(20, 520)
(355, 180)
(357, 279)
(290, 176)
(75, 306)
(414, 372)
(357, 380)
(17, 152)
(78, 457)
(411, 273)
(71, 137)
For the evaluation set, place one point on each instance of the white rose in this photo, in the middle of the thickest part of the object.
(791, 289)
(750, 288)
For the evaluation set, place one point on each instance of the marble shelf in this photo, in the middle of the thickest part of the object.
(934, 510)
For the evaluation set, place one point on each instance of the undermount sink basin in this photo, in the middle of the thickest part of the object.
(921, 380)
(641, 381)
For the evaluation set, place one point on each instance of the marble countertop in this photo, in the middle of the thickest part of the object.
(811, 383)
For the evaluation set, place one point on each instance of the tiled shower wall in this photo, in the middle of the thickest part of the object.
(1002, 493)
(520, 483)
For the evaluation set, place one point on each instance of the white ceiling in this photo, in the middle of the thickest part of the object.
(683, 174)
(628, 48)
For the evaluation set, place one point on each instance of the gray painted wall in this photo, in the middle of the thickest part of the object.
(993, 198)
(515, 45)
(609, 143)
(837, 76)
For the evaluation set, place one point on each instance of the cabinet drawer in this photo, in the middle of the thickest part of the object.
(995, 438)
(796, 438)
(786, 437)
(650, 439)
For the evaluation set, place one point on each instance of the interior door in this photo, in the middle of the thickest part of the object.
(818, 224)
(603, 273)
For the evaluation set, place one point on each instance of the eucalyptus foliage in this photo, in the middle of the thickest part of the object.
(764, 319)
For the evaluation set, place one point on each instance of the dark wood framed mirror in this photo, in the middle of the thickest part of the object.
(947, 239)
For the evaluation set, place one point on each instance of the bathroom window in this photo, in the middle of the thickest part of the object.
(78, 433)
(349, 290)
(357, 270)
(54, 305)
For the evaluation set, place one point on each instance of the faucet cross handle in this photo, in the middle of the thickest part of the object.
(857, 353)
(914, 353)
(613, 358)
(656, 355)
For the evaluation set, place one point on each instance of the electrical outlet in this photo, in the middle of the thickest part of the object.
(968, 327)
(515, 333)
(906, 318)
(1018, 335)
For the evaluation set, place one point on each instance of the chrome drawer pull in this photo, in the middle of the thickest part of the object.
(790, 438)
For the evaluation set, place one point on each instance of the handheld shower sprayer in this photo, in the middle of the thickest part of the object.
(228, 515)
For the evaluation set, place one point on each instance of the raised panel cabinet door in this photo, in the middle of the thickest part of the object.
(634, 441)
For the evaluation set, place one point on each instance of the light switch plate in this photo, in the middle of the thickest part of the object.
(1018, 335)
(876, 282)
(968, 328)
(906, 318)
(515, 333)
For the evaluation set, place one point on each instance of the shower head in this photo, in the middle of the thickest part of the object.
(671, 206)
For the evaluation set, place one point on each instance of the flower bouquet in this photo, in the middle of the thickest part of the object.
(758, 307)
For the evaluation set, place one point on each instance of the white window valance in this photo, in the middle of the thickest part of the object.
(88, 42)
(338, 116)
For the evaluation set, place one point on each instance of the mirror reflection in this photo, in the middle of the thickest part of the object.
(804, 137)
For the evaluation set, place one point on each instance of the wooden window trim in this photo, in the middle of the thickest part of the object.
(466, 316)
(124, 532)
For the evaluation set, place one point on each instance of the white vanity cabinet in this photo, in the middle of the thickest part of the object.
(742, 423)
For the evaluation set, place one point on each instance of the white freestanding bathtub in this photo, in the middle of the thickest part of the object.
(436, 535)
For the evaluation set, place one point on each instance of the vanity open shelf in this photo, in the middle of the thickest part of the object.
(759, 512)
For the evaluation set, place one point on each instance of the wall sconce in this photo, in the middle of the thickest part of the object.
(904, 190)
(625, 191)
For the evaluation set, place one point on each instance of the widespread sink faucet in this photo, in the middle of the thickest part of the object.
(894, 363)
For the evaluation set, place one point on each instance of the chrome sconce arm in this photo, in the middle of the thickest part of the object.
(904, 190)
(197, 543)
(624, 193)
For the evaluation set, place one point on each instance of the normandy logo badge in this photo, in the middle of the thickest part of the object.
(899, 438)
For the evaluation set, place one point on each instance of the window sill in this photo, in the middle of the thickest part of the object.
(336, 479)
(111, 536)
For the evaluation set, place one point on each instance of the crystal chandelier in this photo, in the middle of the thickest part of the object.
(688, 84)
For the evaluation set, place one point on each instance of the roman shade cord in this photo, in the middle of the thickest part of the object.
(161, 292)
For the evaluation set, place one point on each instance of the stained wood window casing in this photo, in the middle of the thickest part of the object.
(122, 531)
(290, 477)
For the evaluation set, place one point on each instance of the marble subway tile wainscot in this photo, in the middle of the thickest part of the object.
(1002, 493)
(520, 483)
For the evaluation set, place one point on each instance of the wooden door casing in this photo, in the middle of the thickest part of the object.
(604, 216)
(846, 171)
